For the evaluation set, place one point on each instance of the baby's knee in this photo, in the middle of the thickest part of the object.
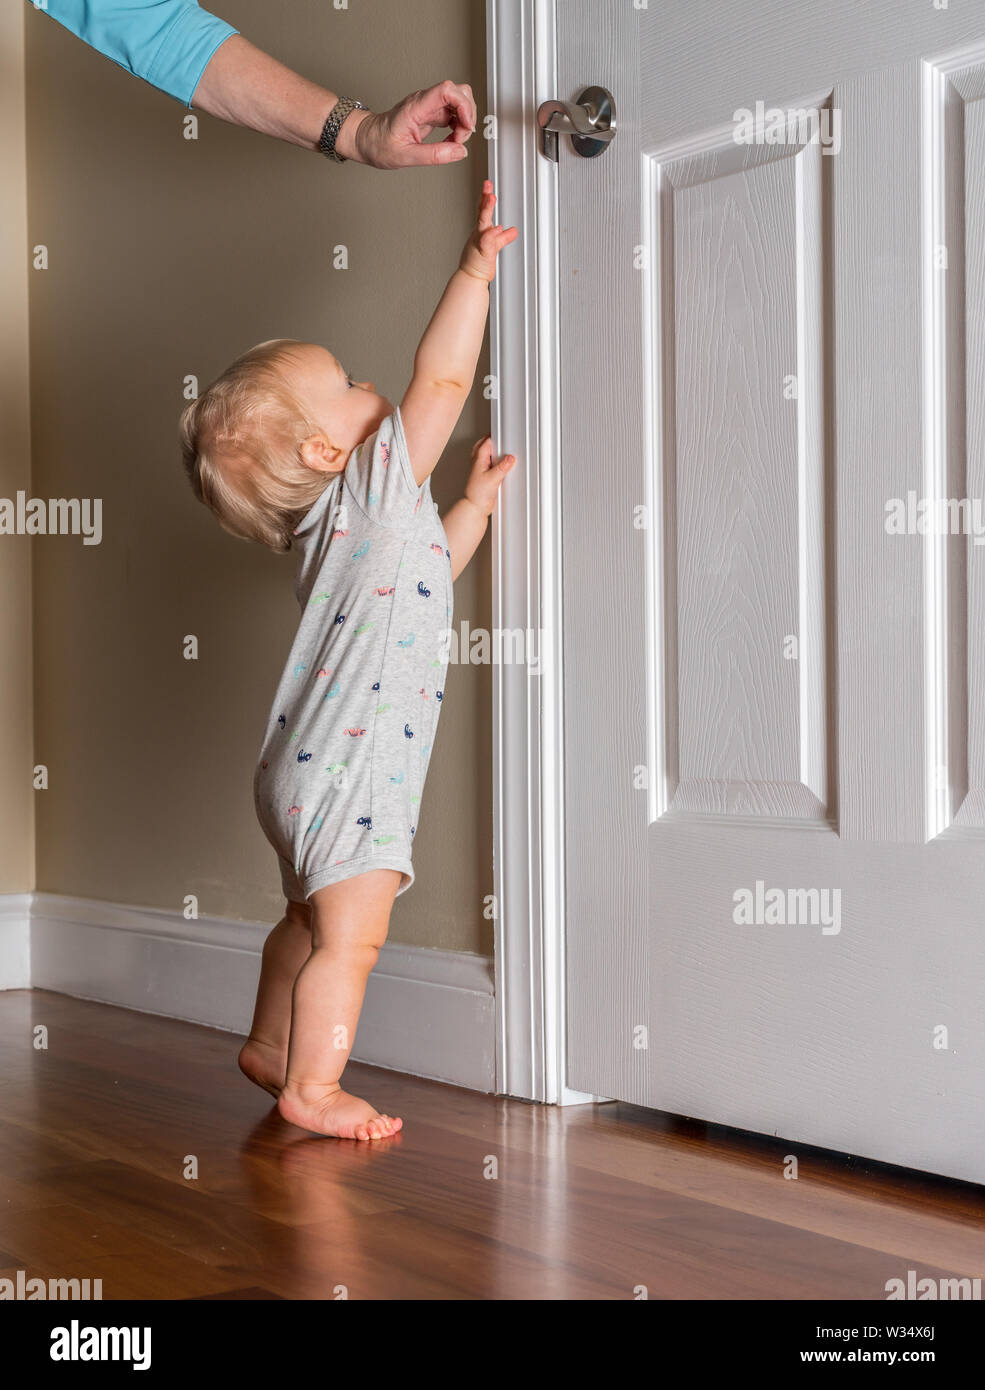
(355, 950)
(365, 954)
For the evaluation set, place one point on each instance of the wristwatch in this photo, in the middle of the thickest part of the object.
(330, 131)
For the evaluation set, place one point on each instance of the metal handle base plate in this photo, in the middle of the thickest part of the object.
(590, 122)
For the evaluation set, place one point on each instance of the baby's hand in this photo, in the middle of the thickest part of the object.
(486, 242)
(486, 477)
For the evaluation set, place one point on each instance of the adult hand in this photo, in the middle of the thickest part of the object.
(395, 139)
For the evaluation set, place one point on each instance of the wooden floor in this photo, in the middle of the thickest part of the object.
(586, 1203)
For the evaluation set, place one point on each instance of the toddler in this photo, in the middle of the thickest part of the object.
(287, 449)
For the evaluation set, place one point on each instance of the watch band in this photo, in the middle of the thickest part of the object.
(330, 131)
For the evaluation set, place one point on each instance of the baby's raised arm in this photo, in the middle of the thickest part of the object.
(444, 367)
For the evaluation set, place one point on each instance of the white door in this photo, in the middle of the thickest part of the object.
(774, 708)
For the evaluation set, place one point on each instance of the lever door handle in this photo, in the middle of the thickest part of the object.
(590, 122)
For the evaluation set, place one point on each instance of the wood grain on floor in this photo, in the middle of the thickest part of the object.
(477, 1198)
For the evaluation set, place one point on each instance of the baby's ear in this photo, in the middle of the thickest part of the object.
(319, 453)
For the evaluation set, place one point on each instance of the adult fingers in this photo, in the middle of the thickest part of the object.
(417, 156)
(446, 104)
(460, 102)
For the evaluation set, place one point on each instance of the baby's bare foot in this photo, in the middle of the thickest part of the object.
(332, 1111)
(264, 1065)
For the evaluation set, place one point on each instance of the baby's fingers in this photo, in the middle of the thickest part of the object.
(494, 472)
(496, 239)
(487, 203)
(482, 451)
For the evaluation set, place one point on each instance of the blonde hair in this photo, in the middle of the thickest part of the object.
(239, 446)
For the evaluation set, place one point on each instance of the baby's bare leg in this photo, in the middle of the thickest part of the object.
(264, 1055)
(349, 922)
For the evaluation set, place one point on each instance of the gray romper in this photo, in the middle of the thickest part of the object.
(338, 786)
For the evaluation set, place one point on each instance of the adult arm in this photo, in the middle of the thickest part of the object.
(202, 61)
(244, 85)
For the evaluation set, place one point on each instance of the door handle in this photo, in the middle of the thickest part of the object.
(590, 121)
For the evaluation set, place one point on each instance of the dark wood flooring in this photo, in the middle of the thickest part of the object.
(586, 1203)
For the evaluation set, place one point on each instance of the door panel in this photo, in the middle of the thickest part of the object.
(764, 345)
(736, 243)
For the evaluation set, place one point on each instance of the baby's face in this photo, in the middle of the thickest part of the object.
(346, 411)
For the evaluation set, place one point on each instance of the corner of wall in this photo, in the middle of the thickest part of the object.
(17, 860)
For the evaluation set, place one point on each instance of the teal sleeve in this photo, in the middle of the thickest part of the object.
(166, 42)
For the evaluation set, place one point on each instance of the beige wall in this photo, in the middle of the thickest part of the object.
(16, 760)
(169, 257)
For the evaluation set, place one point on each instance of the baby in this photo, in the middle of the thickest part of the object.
(288, 450)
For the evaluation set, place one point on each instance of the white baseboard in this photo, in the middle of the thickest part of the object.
(15, 941)
(427, 1012)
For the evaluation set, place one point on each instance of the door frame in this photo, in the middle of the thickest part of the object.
(528, 709)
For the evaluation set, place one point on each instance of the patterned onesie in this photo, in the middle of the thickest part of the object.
(338, 787)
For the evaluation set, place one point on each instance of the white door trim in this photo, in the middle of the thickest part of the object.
(528, 708)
